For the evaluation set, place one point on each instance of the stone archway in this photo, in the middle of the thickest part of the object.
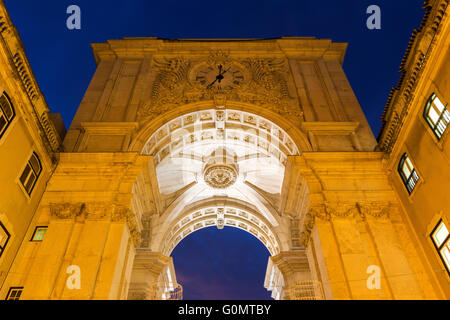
(221, 212)
(320, 187)
(216, 167)
(148, 128)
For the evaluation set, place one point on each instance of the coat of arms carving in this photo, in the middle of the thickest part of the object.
(260, 81)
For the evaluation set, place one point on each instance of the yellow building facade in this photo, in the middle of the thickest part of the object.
(263, 135)
(414, 126)
(30, 138)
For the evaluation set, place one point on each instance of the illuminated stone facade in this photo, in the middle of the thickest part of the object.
(263, 135)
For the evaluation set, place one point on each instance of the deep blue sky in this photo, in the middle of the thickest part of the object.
(63, 64)
(221, 265)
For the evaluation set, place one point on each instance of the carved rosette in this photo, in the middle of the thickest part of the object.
(220, 176)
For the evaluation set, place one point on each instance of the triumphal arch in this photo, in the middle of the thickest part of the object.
(267, 136)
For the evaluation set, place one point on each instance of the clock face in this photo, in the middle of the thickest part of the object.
(220, 77)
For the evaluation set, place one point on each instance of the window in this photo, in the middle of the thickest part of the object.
(408, 173)
(4, 238)
(441, 240)
(31, 173)
(39, 233)
(6, 113)
(436, 115)
(14, 293)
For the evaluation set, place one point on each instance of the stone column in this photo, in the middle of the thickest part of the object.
(356, 229)
(297, 277)
(148, 269)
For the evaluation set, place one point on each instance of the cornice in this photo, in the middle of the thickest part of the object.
(421, 46)
(286, 46)
(17, 59)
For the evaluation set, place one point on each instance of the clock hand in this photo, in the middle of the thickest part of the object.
(219, 77)
(211, 84)
(226, 71)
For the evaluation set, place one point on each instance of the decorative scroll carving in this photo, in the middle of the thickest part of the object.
(168, 87)
(320, 212)
(349, 210)
(120, 213)
(97, 210)
(267, 85)
(66, 210)
(124, 214)
(374, 209)
(136, 237)
(219, 57)
(308, 225)
(342, 209)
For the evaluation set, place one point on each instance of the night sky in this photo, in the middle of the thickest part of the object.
(211, 263)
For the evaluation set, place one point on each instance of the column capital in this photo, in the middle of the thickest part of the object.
(292, 263)
(151, 261)
(297, 277)
(148, 267)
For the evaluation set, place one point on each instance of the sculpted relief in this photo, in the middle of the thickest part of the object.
(260, 81)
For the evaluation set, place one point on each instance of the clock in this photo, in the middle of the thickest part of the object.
(218, 77)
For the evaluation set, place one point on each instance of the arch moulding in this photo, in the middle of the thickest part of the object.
(148, 129)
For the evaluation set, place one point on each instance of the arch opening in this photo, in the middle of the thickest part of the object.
(220, 153)
(220, 216)
(219, 168)
(221, 264)
(238, 129)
